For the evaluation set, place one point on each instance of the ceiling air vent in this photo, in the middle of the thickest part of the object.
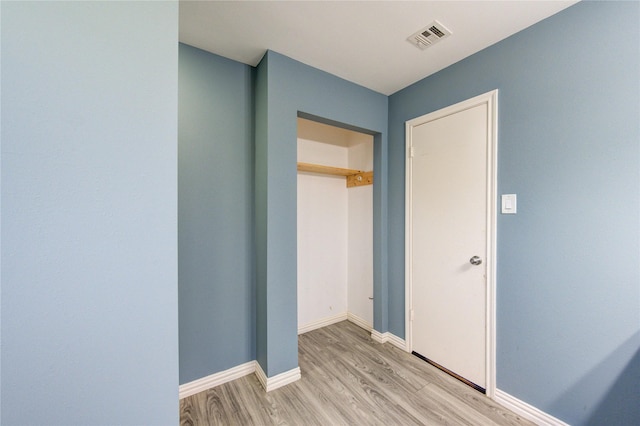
(429, 35)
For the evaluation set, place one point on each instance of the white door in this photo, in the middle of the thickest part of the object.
(449, 188)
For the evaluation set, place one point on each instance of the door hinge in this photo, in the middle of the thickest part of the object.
(410, 314)
(412, 152)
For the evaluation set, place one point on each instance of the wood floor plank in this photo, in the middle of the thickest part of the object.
(348, 379)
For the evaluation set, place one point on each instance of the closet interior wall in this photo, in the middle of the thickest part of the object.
(335, 229)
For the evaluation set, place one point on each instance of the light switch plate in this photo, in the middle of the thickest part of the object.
(509, 203)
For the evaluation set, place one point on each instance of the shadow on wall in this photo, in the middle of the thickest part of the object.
(620, 403)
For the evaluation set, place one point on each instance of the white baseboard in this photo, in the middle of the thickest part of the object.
(398, 342)
(216, 379)
(271, 383)
(322, 323)
(277, 381)
(379, 337)
(389, 337)
(359, 321)
(525, 410)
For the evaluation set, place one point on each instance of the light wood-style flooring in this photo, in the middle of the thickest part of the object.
(348, 379)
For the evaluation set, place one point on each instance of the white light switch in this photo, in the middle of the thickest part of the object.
(509, 204)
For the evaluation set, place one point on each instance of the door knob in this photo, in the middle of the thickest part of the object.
(475, 260)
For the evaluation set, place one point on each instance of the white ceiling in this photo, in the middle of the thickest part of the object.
(361, 41)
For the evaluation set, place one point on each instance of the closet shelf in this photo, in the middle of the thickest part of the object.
(326, 170)
(354, 177)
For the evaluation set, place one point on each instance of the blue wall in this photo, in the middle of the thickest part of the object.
(89, 213)
(90, 198)
(284, 89)
(215, 199)
(568, 279)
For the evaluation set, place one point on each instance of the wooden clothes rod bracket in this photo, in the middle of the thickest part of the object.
(354, 177)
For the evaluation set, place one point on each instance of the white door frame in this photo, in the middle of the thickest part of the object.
(491, 100)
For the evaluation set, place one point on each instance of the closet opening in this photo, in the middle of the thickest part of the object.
(334, 226)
